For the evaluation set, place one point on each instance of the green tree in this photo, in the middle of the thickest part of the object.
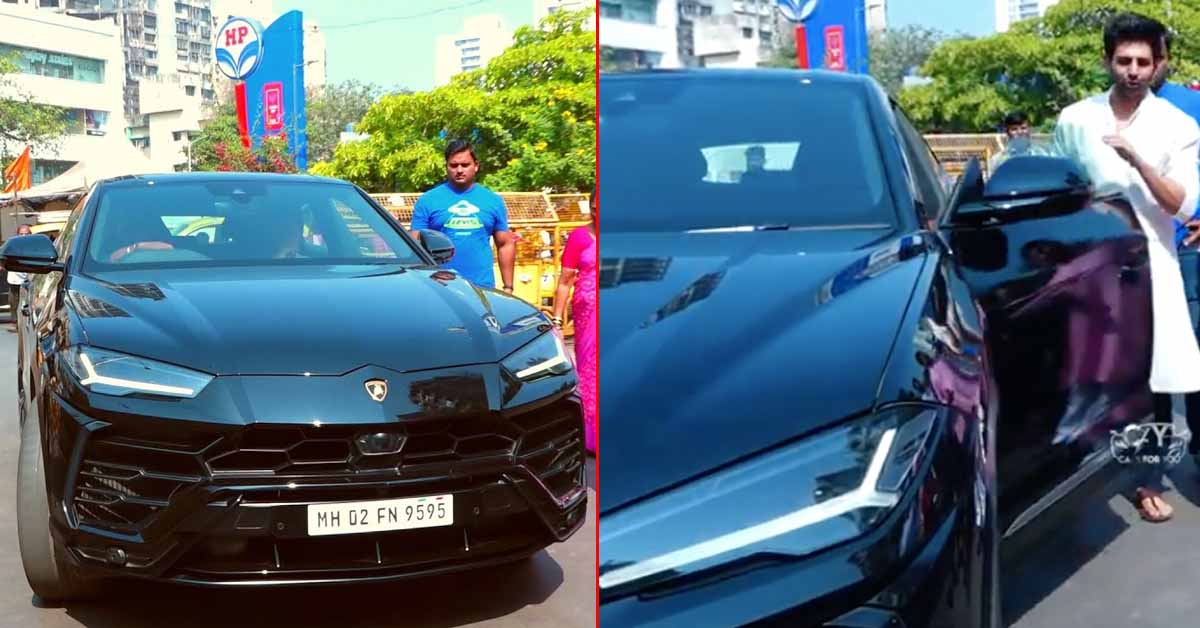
(1039, 66)
(894, 53)
(218, 147)
(22, 121)
(530, 114)
(330, 109)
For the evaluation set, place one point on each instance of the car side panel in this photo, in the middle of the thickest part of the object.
(1067, 306)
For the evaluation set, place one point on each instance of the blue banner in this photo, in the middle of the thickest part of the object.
(275, 88)
(836, 31)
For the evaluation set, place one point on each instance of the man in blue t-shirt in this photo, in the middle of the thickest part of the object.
(1187, 101)
(471, 216)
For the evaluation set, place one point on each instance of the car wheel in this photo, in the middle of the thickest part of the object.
(49, 576)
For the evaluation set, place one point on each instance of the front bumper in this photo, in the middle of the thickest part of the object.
(224, 505)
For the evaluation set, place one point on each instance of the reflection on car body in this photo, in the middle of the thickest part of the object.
(862, 382)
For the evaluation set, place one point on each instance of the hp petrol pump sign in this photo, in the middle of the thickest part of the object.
(239, 48)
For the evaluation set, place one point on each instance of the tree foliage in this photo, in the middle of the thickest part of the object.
(530, 114)
(24, 122)
(896, 53)
(1039, 66)
(218, 147)
(330, 109)
(893, 53)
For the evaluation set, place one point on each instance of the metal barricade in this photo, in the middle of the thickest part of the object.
(541, 223)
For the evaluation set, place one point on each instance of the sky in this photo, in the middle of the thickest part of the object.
(973, 17)
(391, 42)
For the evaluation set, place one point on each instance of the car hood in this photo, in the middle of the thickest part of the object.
(322, 320)
(717, 346)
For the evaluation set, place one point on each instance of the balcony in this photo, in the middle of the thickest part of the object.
(638, 36)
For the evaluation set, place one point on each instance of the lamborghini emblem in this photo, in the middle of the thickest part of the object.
(377, 389)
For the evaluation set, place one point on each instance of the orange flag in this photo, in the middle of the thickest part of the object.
(19, 174)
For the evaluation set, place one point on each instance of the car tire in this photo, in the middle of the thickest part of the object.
(51, 579)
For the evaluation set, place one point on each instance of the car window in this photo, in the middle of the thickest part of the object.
(212, 223)
(927, 170)
(683, 153)
(63, 242)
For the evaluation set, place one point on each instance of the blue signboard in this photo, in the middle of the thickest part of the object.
(272, 65)
(835, 32)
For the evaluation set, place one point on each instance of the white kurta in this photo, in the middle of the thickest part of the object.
(1169, 139)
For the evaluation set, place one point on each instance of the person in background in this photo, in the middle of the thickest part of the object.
(1016, 125)
(1187, 101)
(1019, 139)
(756, 163)
(1184, 98)
(471, 216)
(14, 286)
(579, 263)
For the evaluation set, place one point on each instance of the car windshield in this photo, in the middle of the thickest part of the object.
(696, 152)
(239, 222)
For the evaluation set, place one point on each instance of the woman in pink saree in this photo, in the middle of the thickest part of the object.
(579, 262)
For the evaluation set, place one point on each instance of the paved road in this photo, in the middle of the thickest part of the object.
(1106, 568)
(556, 589)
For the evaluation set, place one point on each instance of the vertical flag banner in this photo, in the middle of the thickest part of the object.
(18, 175)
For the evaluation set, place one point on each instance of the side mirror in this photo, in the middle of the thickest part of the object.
(437, 244)
(1023, 187)
(30, 254)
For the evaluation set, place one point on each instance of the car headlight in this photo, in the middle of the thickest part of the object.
(547, 355)
(793, 501)
(111, 373)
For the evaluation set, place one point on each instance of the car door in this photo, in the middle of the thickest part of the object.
(1065, 292)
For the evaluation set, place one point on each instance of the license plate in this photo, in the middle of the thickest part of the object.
(381, 515)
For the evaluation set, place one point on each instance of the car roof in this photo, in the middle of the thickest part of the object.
(206, 177)
(766, 74)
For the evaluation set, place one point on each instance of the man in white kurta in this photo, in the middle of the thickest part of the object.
(1133, 142)
(1167, 141)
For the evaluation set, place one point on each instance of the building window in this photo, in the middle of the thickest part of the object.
(467, 60)
(151, 39)
(705, 11)
(610, 10)
(177, 135)
(642, 11)
(468, 68)
(470, 50)
(49, 4)
(151, 22)
(748, 33)
(44, 170)
(151, 70)
(463, 42)
(95, 121)
(190, 90)
(42, 63)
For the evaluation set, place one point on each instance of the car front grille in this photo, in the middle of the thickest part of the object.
(123, 482)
